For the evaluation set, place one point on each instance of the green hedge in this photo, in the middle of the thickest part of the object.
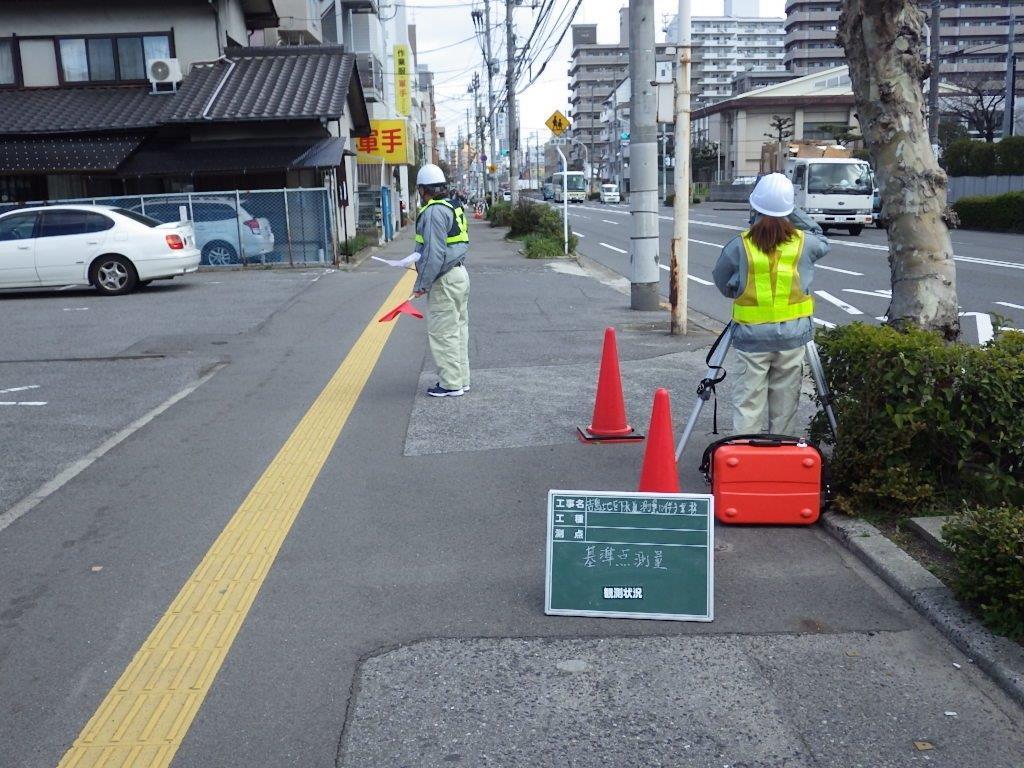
(988, 549)
(979, 158)
(924, 426)
(500, 214)
(999, 212)
(542, 247)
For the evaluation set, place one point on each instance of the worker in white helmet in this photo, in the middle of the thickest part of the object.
(442, 240)
(767, 271)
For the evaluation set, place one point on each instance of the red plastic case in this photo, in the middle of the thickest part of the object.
(766, 482)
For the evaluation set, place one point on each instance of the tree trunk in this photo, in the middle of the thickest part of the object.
(884, 43)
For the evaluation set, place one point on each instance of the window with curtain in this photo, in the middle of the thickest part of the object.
(7, 63)
(108, 59)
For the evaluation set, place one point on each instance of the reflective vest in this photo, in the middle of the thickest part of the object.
(772, 301)
(459, 232)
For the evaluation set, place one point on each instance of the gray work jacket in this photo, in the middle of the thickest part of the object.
(437, 256)
(730, 274)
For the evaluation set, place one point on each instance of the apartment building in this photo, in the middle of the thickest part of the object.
(595, 70)
(974, 39)
(725, 47)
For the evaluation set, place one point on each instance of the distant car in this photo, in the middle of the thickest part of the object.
(876, 210)
(113, 249)
(610, 193)
(548, 191)
(219, 223)
(740, 181)
(506, 195)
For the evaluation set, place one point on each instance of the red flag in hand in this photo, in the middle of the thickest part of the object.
(405, 308)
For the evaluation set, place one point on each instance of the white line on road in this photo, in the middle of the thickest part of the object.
(851, 310)
(1008, 304)
(609, 221)
(875, 294)
(19, 389)
(25, 402)
(695, 279)
(825, 323)
(76, 309)
(613, 248)
(579, 234)
(988, 262)
(705, 242)
(840, 271)
(984, 325)
(69, 473)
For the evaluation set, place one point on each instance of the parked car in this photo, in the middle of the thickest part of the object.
(610, 193)
(506, 195)
(741, 181)
(112, 249)
(218, 223)
(548, 191)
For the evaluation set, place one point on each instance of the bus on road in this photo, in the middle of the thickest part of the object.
(576, 183)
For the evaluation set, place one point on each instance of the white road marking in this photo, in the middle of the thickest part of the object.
(579, 234)
(705, 242)
(27, 402)
(825, 323)
(840, 271)
(613, 248)
(695, 279)
(19, 389)
(70, 472)
(76, 309)
(1008, 304)
(984, 324)
(875, 294)
(609, 221)
(851, 310)
(988, 262)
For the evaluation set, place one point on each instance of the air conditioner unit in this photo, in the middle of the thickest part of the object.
(164, 72)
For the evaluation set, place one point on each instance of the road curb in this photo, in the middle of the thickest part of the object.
(1001, 658)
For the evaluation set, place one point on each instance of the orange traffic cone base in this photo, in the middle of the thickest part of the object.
(586, 436)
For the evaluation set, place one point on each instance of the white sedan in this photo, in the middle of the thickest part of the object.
(112, 249)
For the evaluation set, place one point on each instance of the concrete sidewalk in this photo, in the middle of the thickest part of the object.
(811, 659)
(402, 624)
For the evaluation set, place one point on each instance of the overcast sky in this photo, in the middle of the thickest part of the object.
(442, 24)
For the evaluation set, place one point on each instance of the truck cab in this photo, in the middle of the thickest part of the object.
(609, 193)
(834, 192)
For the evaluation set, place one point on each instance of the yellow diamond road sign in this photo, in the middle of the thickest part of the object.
(558, 123)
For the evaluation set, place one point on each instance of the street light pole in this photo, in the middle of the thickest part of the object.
(679, 267)
(1011, 72)
(513, 128)
(490, 99)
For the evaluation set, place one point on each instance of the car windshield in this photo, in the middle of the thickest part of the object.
(141, 218)
(610, 188)
(576, 182)
(839, 179)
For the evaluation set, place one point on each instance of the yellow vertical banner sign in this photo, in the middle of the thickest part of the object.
(388, 141)
(403, 80)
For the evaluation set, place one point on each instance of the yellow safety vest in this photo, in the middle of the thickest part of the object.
(764, 300)
(459, 233)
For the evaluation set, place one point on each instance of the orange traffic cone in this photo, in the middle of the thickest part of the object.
(609, 422)
(659, 473)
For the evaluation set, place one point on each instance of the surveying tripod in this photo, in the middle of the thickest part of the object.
(716, 356)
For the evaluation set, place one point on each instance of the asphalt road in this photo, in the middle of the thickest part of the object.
(397, 619)
(851, 284)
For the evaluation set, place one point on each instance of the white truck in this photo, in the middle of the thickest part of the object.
(834, 191)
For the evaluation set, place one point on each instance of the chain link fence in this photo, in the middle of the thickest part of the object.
(265, 226)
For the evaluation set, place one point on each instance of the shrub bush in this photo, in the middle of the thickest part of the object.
(542, 247)
(965, 157)
(530, 218)
(988, 549)
(670, 198)
(923, 425)
(500, 214)
(998, 212)
(1010, 156)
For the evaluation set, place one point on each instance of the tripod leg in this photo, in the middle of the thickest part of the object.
(822, 386)
(714, 363)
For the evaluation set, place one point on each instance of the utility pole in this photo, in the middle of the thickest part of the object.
(933, 82)
(482, 23)
(590, 186)
(1011, 72)
(679, 267)
(469, 153)
(513, 122)
(644, 274)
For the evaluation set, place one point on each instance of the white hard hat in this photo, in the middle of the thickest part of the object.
(773, 196)
(430, 175)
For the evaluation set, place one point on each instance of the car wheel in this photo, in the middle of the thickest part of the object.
(856, 230)
(218, 253)
(113, 275)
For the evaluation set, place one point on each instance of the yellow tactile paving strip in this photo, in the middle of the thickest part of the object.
(144, 718)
